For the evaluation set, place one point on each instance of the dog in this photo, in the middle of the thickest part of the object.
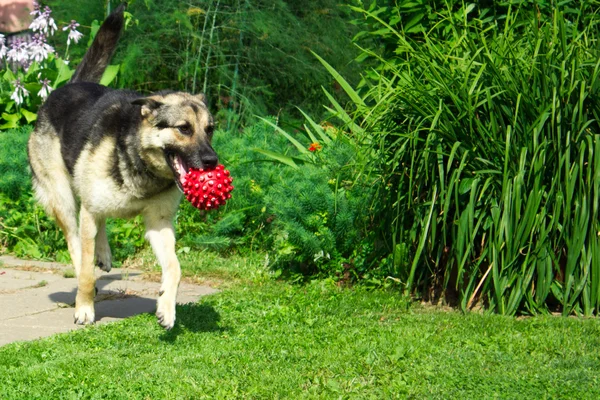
(97, 152)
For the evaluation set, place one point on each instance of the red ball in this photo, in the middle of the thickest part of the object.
(208, 189)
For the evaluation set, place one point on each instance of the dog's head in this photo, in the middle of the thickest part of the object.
(176, 134)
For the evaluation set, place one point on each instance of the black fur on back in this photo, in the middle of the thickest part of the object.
(98, 56)
(86, 112)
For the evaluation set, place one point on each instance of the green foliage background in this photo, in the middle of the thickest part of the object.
(249, 57)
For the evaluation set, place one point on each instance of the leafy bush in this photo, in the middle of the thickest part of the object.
(320, 212)
(14, 176)
(23, 227)
(483, 125)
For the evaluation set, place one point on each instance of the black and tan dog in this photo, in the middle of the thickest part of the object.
(100, 152)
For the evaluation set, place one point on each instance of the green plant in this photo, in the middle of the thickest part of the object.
(40, 284)
(483, 128)
(69, 273)
(320, 212)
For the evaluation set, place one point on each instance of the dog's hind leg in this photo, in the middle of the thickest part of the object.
(52, 189)
(103, 254)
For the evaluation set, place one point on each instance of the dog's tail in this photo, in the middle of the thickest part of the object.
(97, 57)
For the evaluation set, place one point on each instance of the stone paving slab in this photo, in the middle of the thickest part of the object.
(15, 279)
(36, 300)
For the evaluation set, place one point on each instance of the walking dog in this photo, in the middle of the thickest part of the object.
(98, 152)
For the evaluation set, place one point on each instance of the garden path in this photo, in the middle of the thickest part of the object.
(36, 299)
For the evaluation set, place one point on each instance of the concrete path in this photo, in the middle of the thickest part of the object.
(36, 299)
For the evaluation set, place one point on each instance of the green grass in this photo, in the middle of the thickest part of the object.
(267, 339)
(223, 269)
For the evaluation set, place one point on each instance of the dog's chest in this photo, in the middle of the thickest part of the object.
(104, 197)
(121, 195)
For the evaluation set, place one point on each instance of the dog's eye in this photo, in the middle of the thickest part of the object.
(209, 130)
(185, 129)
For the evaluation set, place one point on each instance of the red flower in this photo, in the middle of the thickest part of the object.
(315, 146)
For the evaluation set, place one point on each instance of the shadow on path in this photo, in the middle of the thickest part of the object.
(110, 303)
(192, 317)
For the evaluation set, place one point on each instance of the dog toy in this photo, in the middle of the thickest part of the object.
(208, 189)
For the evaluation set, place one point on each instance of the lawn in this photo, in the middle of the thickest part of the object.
(262, 338)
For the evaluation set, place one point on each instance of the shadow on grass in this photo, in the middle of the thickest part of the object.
(194, 318)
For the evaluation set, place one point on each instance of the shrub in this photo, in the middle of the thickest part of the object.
(320, 212)
(14, 175)
(23, 228)
(484, 125)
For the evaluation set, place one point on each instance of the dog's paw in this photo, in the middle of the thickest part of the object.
(84, 315)
(165, 312)
(106, 267)
(103, 256)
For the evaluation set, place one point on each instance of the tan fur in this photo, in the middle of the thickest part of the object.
(52, 188)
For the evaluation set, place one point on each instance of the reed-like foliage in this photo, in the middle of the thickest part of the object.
(486, 139)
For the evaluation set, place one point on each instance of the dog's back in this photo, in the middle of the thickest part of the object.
(64, 106)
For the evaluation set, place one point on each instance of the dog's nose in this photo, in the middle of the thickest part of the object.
(209, 160)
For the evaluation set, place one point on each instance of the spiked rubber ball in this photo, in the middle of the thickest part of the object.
(208, 189)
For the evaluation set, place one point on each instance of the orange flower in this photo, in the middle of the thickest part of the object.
(315, 146)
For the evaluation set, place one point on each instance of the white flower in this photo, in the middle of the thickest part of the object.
(45, 90)
(18, 52)
(20, 92)
(44, 23)
(38, 48)
(38, 24)
(2, 46)
(74, 34)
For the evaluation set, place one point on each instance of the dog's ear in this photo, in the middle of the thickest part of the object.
(201, 97)
(149, 106)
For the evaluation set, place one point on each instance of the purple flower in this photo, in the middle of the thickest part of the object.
(18, 52)
(36, 9)
(38, 48)
(44, 23)
(74, 34)
(2, 46)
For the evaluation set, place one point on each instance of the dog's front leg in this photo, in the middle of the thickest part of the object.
(84, 302)
(161, 235)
